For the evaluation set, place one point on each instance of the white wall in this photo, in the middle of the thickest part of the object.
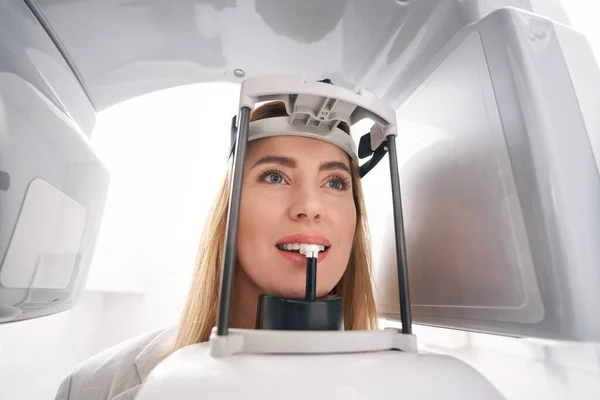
(583, 15)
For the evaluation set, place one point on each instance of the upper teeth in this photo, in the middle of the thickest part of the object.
(295, 246)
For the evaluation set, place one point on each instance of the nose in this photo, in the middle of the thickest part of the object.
(306, 205)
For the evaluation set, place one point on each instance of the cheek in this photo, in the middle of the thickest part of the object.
(344, 225)
(256, 214)
(259, 220)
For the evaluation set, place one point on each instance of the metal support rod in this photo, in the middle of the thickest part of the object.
(235, 195)
(405, 311)
(311, 279)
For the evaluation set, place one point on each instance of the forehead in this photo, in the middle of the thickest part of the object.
(303, 149)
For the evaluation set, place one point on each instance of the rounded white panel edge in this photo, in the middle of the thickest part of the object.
(251, 341)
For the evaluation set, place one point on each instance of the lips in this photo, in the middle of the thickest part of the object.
(306, 238)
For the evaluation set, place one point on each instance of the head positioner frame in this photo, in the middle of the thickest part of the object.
(315, 110)
(320, 106)
(276, 126)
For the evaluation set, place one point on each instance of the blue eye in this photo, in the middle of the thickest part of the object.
(336, 185)
(339, 183)
(274, 178)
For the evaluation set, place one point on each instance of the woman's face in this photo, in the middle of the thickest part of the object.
(295, 190)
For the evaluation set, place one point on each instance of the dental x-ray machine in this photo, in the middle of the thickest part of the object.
(488, 116)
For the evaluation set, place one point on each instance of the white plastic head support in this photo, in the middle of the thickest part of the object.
(316, 109)
(309, 250)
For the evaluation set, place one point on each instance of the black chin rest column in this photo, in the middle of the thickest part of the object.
(310, 314)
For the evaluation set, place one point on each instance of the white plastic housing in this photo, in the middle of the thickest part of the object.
(52, 184)
(501, 185)
(121, 51)
(192, 373)
(321, 106)
(263, 341)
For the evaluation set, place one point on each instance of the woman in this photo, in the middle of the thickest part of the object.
(295, 189)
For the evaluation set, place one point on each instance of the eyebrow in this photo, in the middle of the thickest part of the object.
(292, 163)
(285, 161)
(333, 165)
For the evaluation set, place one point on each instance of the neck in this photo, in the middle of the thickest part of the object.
(244, 301)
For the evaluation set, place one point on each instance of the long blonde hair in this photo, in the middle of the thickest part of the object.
(355, 286)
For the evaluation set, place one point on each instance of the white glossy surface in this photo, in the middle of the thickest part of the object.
(191, 373)
(35, 58)
(42, 141)
(529, 369)
(44, 257)
(152, 45)
(501, 194)
(467, 244)
(583, 68)
(552, 9)
(259, 341)
(124, 49)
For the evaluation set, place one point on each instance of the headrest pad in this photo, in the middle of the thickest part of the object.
(281, 126)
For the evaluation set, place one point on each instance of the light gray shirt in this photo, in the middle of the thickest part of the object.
(118, 372)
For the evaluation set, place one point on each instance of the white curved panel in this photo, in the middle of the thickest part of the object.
(122, 48)
(126, 48)
(44, 248)
(53, 185)
(192, 373)
(36, 59)
(467, 244)
(502, 192)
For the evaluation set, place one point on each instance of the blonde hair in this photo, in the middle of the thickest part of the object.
(355, 286)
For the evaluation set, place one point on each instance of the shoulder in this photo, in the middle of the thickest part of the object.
(117, 370)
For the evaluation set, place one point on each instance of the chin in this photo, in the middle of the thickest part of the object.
(287, 280)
